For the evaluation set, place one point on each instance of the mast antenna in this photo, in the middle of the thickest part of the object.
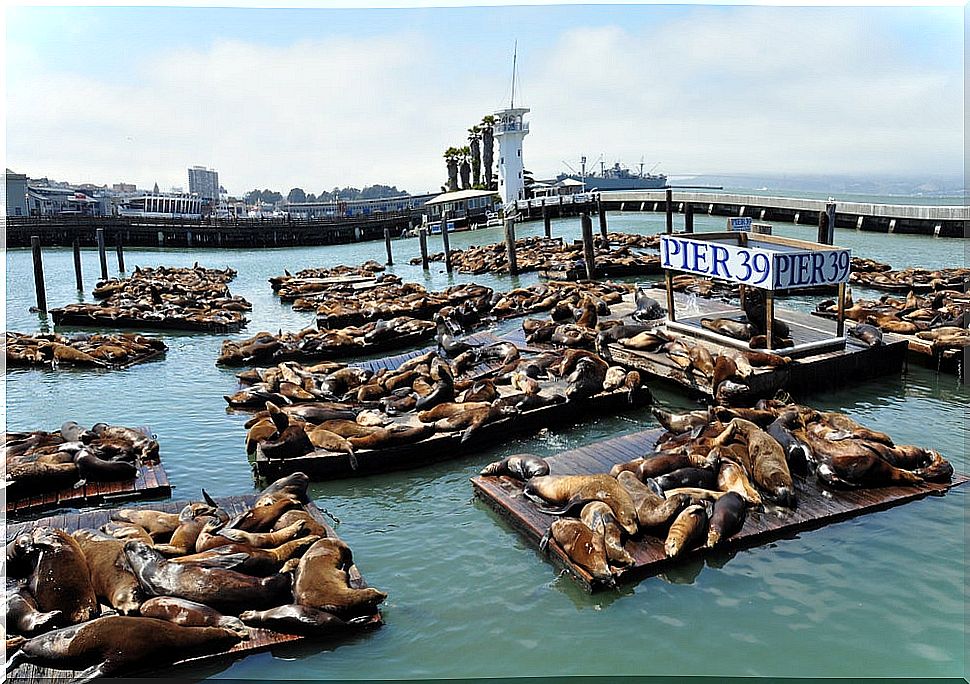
(515, 52)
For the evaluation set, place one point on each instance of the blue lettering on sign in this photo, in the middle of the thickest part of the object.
(719, 258)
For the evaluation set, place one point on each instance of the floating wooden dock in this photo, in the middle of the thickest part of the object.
(151, 483)
(816, 508)
(259, 639)
(68, 319)
(817, 372)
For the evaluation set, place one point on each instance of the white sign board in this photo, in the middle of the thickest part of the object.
(739, 223)
(762, 267)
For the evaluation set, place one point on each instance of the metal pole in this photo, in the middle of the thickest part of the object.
(769, 318)
(101, 254)
(387, 246)
(602, 214)
(423, 241)
(121, 255)
(588, 250)
(546, 220)
(444, 240)
(840, 320)
(510, 246)
(38, 274)
(669, 278)
(670, 211)
(77, 264)
(688, 218)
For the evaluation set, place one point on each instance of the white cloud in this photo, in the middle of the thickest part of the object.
(745, 90)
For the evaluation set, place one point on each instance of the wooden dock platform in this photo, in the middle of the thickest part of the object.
(811, 373)
(151, 483)
(259, 639)
(815, 508)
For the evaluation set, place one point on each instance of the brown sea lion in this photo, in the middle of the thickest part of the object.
(126, 531)
(583, 547)
(732, 478)
(587, 378)
(727, 518)
(558, 494)
(263, 540)
(213, 586)
(26, 479)
(390, 436)
(290, 486)
(296, 619)
(116, 644)
(291, 443)
(686, 530)
(248, 559)
(60, 579)
(696, 495)
(320, 581)
(652, 510)
(705, 478)
(310, 524)
(763, 459)
(111, 577)
(599, 517)
(681, 422)
(262, 518)
(847, 462)
(191, 614)
(22, 614)
(701, 360)
(521, 466)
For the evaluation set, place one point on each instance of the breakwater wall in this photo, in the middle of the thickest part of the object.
(165, 232)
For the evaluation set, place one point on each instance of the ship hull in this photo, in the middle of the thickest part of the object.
(633, 183)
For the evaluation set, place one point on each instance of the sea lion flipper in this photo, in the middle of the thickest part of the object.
(544, 542)
(208, 499)
(92, 673)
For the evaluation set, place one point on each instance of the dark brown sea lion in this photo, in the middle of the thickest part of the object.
(763, 459)
(848, 462)
(262, 518)
(583, 547)
(599, 517)
(728, 327)
(727, 518)
(191, 614)
(26, 479)
(213, 586)
(321, 581)
(60, 579)
(296, 619)
(111, 576)
(705, 478)
(116, 644)
(558, 494)
(291, 443)
(22, 614)
(586, 379)
(686, 530)
(380, 438)
(292, 485)
(521, 466)
(248, 559)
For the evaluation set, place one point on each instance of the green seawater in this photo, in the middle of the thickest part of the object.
(882, 595)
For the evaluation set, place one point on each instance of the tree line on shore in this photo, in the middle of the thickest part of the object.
(471, 164)
(298, 195)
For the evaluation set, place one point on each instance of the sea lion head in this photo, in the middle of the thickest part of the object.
(140, 555)
(71, 431)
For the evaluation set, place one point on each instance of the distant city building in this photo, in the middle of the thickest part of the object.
(204, 183)
(358, 207)
(15, 194)
(59, 201)
(124, 187)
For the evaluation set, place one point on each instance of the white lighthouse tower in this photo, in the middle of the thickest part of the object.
(510, 129)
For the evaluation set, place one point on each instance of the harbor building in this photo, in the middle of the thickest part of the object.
(163, 205)
(356, 207)
(204, 183)
(44, 200)
(510, 130)
(15, 194)
(466, 209)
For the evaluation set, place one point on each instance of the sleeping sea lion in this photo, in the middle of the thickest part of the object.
(732, 478)
(521, 466)
(60, 579)
(557, 494)
(686, 529)
(705, 478)
(263, 540)
(293, 485)
(111, 577)
(296, 619)
(310, 524)
(763, 459)
(727, 518)
(681, 422)
(25, 479)
(320, 581)
(599, 517)
(117, 644)
(586, 379)
(652, 509)
(581, 545)
(22, 614)
(191, 614)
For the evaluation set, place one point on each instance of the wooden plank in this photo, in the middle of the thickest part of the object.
(814, 509)
(260, 639)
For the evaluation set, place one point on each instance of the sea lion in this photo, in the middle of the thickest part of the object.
(263, 540)
(796, 452)
(320, 581)
(701, 360)
(763, 459)
(191, 614)
(727, 518)
(648, 308)
(686, 529)
(704, 478)
(732, 478)
(293, 485)
(310, 524)
(586, 379)
(696, 495)
(380, 438)
(849, 462)
(111, 577)
(557, 494)
(732, 393)
(26, 479)
(652, 509)
(521, 466)
(249, 560)
(291, 443)
(213, 586)
(60, 579)
(449, 409)
(117, 644)
(262, 518)
(126, 531)
(725, 368)
(22, 614)
(728, 327)
(647, 340)
(583, 547)
(296, 619)
(681, 422)
(599, 517)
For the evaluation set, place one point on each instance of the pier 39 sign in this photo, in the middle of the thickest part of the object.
(759, 266)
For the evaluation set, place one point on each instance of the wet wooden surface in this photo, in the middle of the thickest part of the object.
(816, 508)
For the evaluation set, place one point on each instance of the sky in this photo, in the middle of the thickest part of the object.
(317, 98)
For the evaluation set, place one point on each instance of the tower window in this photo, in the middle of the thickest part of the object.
(518, 152)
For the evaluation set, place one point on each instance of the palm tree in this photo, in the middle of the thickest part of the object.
(466, 168)
(452, 155)
(474, 143)
(488, 142)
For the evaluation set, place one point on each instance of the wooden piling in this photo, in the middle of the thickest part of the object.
(423, 241)
(38, 273)
(387, 246)
(77, 265)
(589, 254)
(823, 227)
(830, 212)
(121, 254)
(670, 211)
(602, 214)
(101, 254)
(546, 220)
(510, 246)
(444, 240)
(840, 320)
(688, 218)
(769, 319)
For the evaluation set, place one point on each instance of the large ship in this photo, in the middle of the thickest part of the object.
(616, 177)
